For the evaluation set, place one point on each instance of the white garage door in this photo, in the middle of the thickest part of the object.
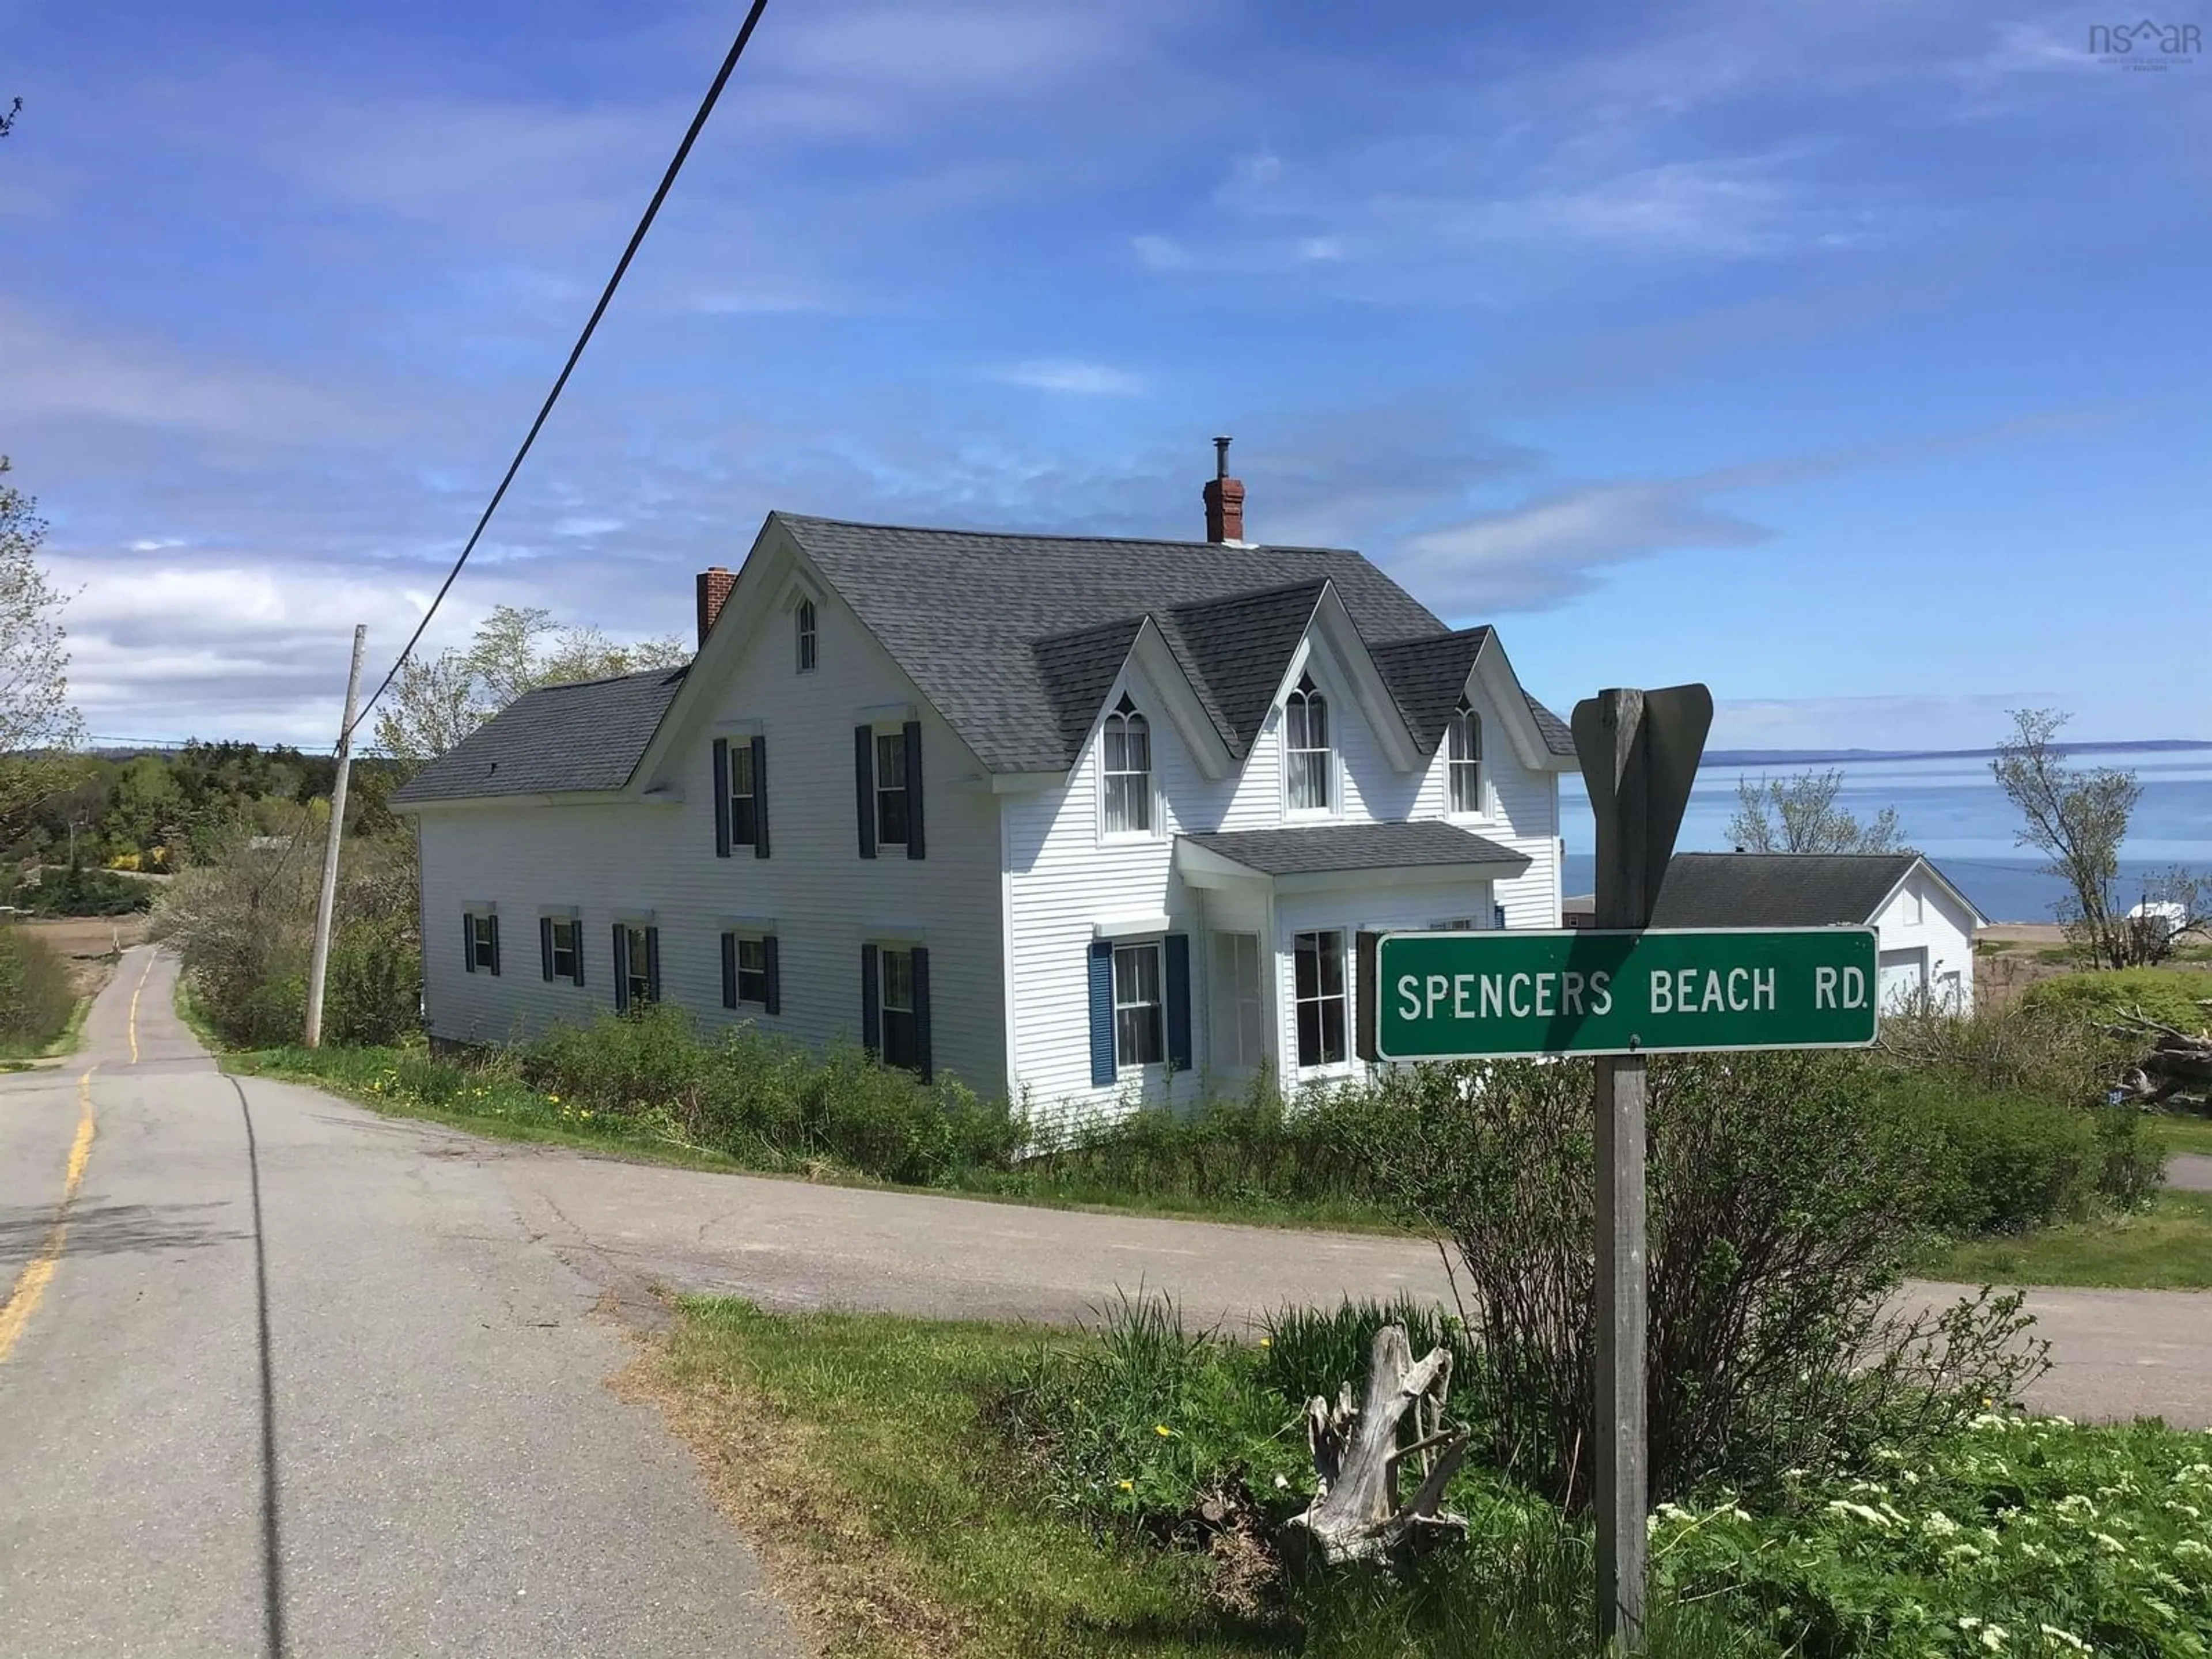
(1904, 975)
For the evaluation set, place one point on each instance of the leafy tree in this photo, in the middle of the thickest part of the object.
(436, 702)
(38, 725)
(1800, 815)
(2078, 819)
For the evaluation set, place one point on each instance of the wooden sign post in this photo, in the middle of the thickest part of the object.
(1639, 753)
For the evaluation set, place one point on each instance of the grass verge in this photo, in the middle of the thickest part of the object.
(2169, 1249)
(860, 1456)
(18, 1057)
(405, 1083)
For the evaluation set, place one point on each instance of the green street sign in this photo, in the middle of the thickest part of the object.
(1482, 995)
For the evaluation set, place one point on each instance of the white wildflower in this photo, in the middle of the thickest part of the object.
(2064, 1636)
(1993, 1637)
(2111, 1543)
(1845, 1506)
(1938, 1524)
(2192, 1546)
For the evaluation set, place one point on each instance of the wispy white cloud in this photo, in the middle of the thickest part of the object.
(1080, 378)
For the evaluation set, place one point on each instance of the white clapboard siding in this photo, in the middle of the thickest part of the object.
(1066, 881)
(1924, 916)
(634, 857)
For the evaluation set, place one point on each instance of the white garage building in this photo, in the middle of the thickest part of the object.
(1925, 923)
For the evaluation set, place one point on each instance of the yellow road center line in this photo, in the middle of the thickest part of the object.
(31, 1284)
(134, 993)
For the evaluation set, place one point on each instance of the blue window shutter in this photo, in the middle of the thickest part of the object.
(760, 797)
(872, 1010)
(652, 963)
(914, 843)
(721, 797)
(468, 941)
(921, 1010)
(729, 970)
(1174, 969)
(774, 975)
(545, 945)
(622, 970)
(494, 946)
(864, 785)
(1101, 1012)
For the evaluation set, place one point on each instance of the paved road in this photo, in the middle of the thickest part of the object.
(297, 1364)
(296, 1384)
(786, 1244)
(2190, 1172)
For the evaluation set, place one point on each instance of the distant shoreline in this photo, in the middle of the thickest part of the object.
(1839, 756)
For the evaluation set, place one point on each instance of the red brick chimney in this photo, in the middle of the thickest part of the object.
(715, 586)
(1225, 500)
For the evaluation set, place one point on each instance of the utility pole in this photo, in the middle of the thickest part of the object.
(1639, 752)
(319, 963)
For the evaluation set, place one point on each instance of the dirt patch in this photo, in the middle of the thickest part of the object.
(90, 944)
(845, 1587)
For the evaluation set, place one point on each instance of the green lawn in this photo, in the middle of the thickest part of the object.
(2186, 1134)
(2168, 1249)
(862, 1455)
(851, 1449)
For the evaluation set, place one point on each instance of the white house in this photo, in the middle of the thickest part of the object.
(1090, 821)
(1925, 924)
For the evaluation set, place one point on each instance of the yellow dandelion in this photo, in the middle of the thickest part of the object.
(1163, 1430)
(556, 1099)
(1267, 1342)
(1128, 1485)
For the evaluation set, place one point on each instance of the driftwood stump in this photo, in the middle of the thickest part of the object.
(2176, 1064)
(1357, 1514)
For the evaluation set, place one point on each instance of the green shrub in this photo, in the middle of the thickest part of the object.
(373, 989)
(772, 1104)
(36, 998)
(1256, 1151)
(1998, 1163)
(1785, 1203)
(86, 890)
(2169, 995)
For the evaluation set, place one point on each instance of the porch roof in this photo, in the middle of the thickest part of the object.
(1337, 851)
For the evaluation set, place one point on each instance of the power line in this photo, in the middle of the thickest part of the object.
(637, 236)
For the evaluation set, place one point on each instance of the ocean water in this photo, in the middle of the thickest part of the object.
(1952, 809)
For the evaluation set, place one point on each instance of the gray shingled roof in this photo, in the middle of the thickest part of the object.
(1312, 850)
(1428, 677)
(1776, 890)
(1015, 640)
(589, 735)
(962, 613)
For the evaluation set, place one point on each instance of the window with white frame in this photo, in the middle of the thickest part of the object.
(1306, 759)
(640, 965)
(890, 789)
(752, 969)
(483, 942)
(902, 1033)
(744, 796)
(803, 626)
(1319, 965)
(1463, 759)
(1139, 1028)
(1127, 753)
(564, 944)
(1239, 1028)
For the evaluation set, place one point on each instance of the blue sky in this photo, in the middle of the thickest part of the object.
(1848, 358)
